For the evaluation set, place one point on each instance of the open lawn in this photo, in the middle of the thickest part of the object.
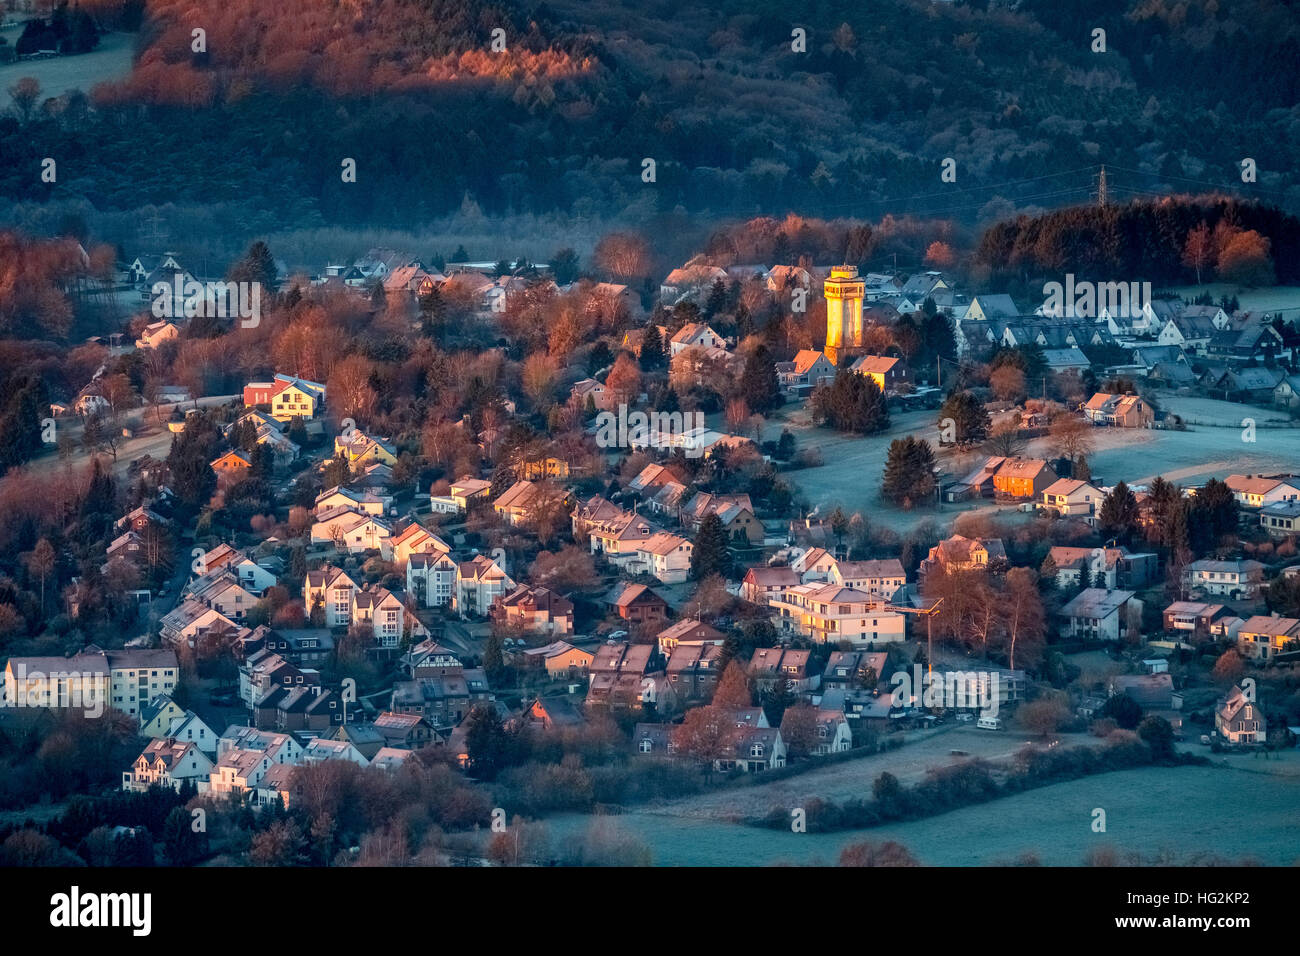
(57, 75)
(853, 465)
(1176, 814)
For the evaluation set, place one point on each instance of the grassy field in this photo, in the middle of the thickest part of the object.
(852, 466)
(57, 75)
(1243, 811)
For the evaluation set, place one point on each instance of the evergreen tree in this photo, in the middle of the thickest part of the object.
(258, 265)
(182, 844)
(759, 386)
(909, 471)
(852, 403)
(1119, 513)
(711, 553)
(968, 417)
(652, 349)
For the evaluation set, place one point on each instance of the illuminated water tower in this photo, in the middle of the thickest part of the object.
(844, 292)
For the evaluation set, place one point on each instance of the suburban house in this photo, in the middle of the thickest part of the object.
(560, 659)
(360, 449)
(760, 583)
(887, 371)
(352, 532)
(808, 370)
(1239, 720)
(340, 497)
(637, 604)
(1102, 614)
(232, 467)
(416, 539)
(694, 334)
(166, 762)
(192, 622)
(1192, 620)
(959, 553)
(1258, 491)
(736, 512)
(536, 610)
(693, 671)
(854, 670)
(480, 581)
(1263, 637)
(687, 631)
(1282, 519)
(464, 491)
(1123, 411)
(381, 610)
(287, 396)
(769, 665)
(1235, 580)
(1023, 478)
(1118, 567)
(157, 333)
(431, 577)
(1072, 498)
(332, 590)
(663, 555)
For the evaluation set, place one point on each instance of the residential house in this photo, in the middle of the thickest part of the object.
(665, 556)
(1024, 478)
(1123, 411)
(157, 333)
(887, 371)
(1235, 580)
(431, 577)
(1239, 720)
(352, 532)
(416, 539)
(1257, 491)
(1103, 614)
(770, 665)
(1072, 498)
(166, 762)
(761, 583)
(1263, 638)
(536, 610)
(332, 589)
(359, 501)
(560, 659)
(687, 631)
(380, 610)
(263, 670)
(231, 468)
(1192, 621)
(480, 581)
(1282, 519)
(693, 671)
(854, 670)
(735, 511)
(960, 553)
(636, 603)
(192, 623)
(807, 371)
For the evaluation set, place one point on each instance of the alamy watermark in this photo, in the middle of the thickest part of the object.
(956, 690)
(1088, 300)
(659, 430)
(189, 298)
(64, 690)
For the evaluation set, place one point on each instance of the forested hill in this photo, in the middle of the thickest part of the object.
(737, 122)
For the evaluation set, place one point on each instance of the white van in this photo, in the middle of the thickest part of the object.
(989, 723)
